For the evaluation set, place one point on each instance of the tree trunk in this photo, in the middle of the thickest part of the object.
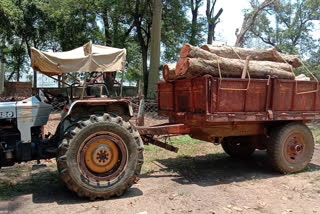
(145, 70)
(64, 78)
(169, 73)
(194, 4)
(212, 20)
(256, 54)
(106, 27)
(194, 52)
(193, 67)
(2, 78)
(155, 49)
(18, 75)
(140, 82)
(108, 79)
(194, 24)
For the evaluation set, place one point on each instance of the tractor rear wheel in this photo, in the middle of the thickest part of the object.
(100, 157)
(239, 147)
(290, 147)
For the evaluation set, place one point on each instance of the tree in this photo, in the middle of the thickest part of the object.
(196, 25)
(155, 48)
(292, 31)
(249, 20)
(174, 30)
(212, 20)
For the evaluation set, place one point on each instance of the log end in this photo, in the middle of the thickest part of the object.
(205, 47)
(184, 52)
(182, 66)
(165, 72)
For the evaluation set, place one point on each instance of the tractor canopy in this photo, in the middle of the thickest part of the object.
(88, 58)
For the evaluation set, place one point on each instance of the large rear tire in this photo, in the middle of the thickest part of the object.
(100, 157)
(239, 147)
(290, 147)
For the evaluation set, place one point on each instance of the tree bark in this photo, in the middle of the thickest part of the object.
(194, 52)
(193, 67)
(143, 39)
(108, 79)
(1, 78)
(256, 54)
(155, 49)
(212, 20)
(195, 5)
(169, 73)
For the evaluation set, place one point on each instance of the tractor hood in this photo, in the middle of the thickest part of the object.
(88, 58)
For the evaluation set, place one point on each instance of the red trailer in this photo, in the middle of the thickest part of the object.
(242, 115)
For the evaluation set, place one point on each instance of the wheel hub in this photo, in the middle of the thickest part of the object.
(101, 155)
(294, 148)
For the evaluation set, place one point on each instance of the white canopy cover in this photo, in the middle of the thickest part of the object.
(87, 58)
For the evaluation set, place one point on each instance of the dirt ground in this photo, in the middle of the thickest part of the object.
(199, 179)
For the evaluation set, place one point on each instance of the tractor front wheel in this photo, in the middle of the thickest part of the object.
(100, 157)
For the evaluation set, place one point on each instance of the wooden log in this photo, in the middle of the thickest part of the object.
(256, 54)
(194, 52)
(193, 67)
(169, 74)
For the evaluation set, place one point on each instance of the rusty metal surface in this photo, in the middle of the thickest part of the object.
(287, 97)
(163, 129)
(149, 139)
(265, 100)
(110, 174)
(213, 108)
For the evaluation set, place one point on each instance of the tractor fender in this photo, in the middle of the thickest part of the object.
(120, 107)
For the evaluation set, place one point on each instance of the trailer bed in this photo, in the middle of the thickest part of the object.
(230, 99)
(214, 107)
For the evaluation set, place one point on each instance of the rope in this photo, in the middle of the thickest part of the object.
(306, 68)
(291, 67)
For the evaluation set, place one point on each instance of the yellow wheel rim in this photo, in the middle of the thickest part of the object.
(101, 156)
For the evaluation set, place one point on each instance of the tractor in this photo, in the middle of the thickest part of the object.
(99, 152)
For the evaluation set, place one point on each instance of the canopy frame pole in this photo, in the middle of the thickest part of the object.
(88, 83)
(58, 80)
(74, 77)
(121, 86)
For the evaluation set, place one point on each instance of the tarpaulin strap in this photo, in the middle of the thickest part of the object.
(220, 80)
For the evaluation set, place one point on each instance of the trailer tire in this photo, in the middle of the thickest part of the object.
(100, 157)
(290, 147)
(239, 147)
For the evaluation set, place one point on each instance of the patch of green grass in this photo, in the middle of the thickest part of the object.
(21, 179)
(184, 159)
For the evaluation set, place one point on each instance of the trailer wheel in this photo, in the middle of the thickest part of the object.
(290, 148)
(100, 157)
(239, 147)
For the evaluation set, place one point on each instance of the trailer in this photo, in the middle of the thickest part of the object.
(242, 115)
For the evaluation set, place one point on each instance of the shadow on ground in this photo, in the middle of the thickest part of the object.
(46, 187)
(205, 170)
(215, 169)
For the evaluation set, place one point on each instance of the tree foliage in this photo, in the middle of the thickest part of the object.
(288, 26)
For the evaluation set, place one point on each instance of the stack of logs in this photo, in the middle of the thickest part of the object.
(231, 62)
